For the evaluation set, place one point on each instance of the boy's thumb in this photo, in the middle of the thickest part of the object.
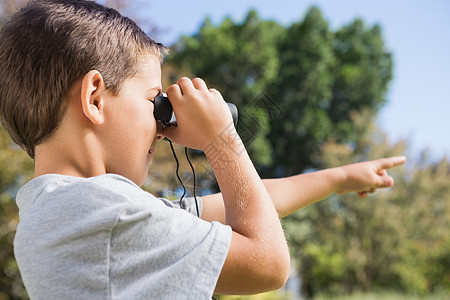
(388, 181)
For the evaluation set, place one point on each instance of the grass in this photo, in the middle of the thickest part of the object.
(387, 296)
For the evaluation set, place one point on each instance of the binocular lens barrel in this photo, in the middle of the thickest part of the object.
(163, 111)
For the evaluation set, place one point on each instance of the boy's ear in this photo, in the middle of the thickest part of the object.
(93, 92)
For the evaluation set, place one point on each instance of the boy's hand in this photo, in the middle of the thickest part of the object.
(367, 177)
(201, 113)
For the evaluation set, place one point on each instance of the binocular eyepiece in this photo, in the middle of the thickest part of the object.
(163, 111)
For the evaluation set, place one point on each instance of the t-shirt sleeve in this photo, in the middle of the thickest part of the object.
(189, 204)
(159, 252)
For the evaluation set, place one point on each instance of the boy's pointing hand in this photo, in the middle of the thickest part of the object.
(367, 177)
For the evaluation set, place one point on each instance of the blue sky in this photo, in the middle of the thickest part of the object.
(416, 32)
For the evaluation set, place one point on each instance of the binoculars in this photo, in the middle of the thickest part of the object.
(163, 111)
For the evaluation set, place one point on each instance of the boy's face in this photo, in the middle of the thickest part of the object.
(130, 128)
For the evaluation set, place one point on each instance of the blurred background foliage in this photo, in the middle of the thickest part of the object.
(308, 98)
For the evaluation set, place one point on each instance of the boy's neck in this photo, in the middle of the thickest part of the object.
(73, 148)
(65, 158)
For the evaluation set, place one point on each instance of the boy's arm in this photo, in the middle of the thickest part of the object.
(258, 257)
(293, 193)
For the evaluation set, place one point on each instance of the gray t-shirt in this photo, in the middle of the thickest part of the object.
(105, 238)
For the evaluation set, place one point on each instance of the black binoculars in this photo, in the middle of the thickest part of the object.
(163, 111)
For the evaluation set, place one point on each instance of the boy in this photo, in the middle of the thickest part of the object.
(77, 83)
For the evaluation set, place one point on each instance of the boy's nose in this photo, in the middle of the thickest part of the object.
(159, 131)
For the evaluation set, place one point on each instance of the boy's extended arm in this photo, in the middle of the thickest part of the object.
(293, 193)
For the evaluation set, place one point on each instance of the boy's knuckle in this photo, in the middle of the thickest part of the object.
(183, 80)
(172, 87)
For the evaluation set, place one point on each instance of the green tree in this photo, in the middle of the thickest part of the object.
(15, 169)
(295, 87)
(303, 88)
(361, 76)
(395, 240)
(240, 60)
(424, 200)
(326, 79)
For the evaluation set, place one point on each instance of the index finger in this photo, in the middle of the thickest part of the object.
(186, 85)
(199, 84)
(387, 163)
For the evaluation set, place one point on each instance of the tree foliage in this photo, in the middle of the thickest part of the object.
(295, 87)
(239, 60)
(394, 240)
(15, 169)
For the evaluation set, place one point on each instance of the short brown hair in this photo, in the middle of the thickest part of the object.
(48, 45)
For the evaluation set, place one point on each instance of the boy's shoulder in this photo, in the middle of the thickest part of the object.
(109, 195)
(58, 183)
(60, 192)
